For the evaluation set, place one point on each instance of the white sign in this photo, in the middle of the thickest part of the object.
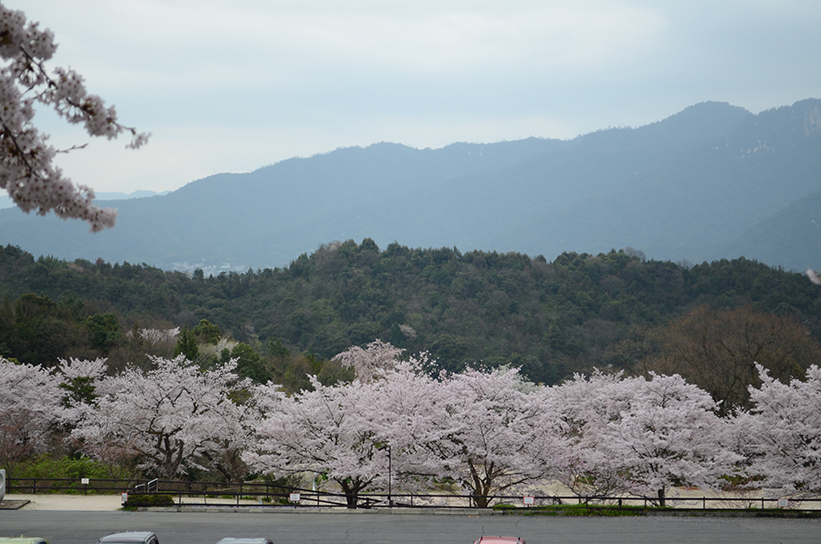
(125, 498)
(294, 497)
(84, 481)
(783, 503)
(529, 501)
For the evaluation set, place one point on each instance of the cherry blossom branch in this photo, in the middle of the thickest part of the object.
(26, 169)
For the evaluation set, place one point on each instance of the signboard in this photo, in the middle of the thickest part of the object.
(84, 481)
(293, 497)
(125, 498)
(529, 501)
(783, 503)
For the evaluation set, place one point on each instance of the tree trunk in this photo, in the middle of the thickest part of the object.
(481, 486)
(351, 491)
(662, 502)
(480, 501)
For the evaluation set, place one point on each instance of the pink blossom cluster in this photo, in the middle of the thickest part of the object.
(780, 436)
(398, 426)
(167, 417)
(366, 363)
(491, 432)
(158, 336)
(26, 159)
(30, 407)
(638, 436)
(83, 368)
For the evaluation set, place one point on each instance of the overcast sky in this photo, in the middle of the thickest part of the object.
(234, 85)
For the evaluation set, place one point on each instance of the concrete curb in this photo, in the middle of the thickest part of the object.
(475, 512)
(313, 510)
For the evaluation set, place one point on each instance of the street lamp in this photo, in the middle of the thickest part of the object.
(390, 470)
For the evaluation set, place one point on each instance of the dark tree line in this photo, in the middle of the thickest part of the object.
(550, 318)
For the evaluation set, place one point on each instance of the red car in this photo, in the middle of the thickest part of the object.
(499, 540)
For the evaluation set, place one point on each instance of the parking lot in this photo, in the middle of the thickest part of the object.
(76, 527)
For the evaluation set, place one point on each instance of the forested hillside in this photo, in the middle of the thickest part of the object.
(550, 318)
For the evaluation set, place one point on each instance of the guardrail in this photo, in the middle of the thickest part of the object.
(270, 495)
(148, 487)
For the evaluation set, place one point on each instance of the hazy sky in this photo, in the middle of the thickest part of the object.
(234, 85)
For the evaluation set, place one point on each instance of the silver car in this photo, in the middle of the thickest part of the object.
(244, 541)
(130, 537)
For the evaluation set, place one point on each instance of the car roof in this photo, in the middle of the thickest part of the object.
(127, 536)
(231, 540)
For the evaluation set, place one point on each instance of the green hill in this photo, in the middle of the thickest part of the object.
(492, 308)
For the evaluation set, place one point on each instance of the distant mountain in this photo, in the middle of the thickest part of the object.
(698, 186)
(5, 200)
(791, 238)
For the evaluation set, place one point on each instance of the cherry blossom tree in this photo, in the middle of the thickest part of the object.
(476, 427)
(325, 430)
(781, 434)
(167, 416)
(366, 363)
(637, 436)
(484, 433)
(660, 432)
(166, 337)
(26, 159)
(82, 382)
(491, 432)
(568, 413)
(80, 379)
(366, 434)
(405, 406)
(30, 407)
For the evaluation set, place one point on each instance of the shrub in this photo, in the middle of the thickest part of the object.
(148, 500)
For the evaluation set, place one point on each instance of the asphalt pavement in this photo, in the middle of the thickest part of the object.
(76, 527)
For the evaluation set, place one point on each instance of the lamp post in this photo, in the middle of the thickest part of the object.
(390, 471)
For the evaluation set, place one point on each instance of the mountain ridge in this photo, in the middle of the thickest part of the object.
(687, 187)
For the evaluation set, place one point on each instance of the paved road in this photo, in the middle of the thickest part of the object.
(62, 527)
